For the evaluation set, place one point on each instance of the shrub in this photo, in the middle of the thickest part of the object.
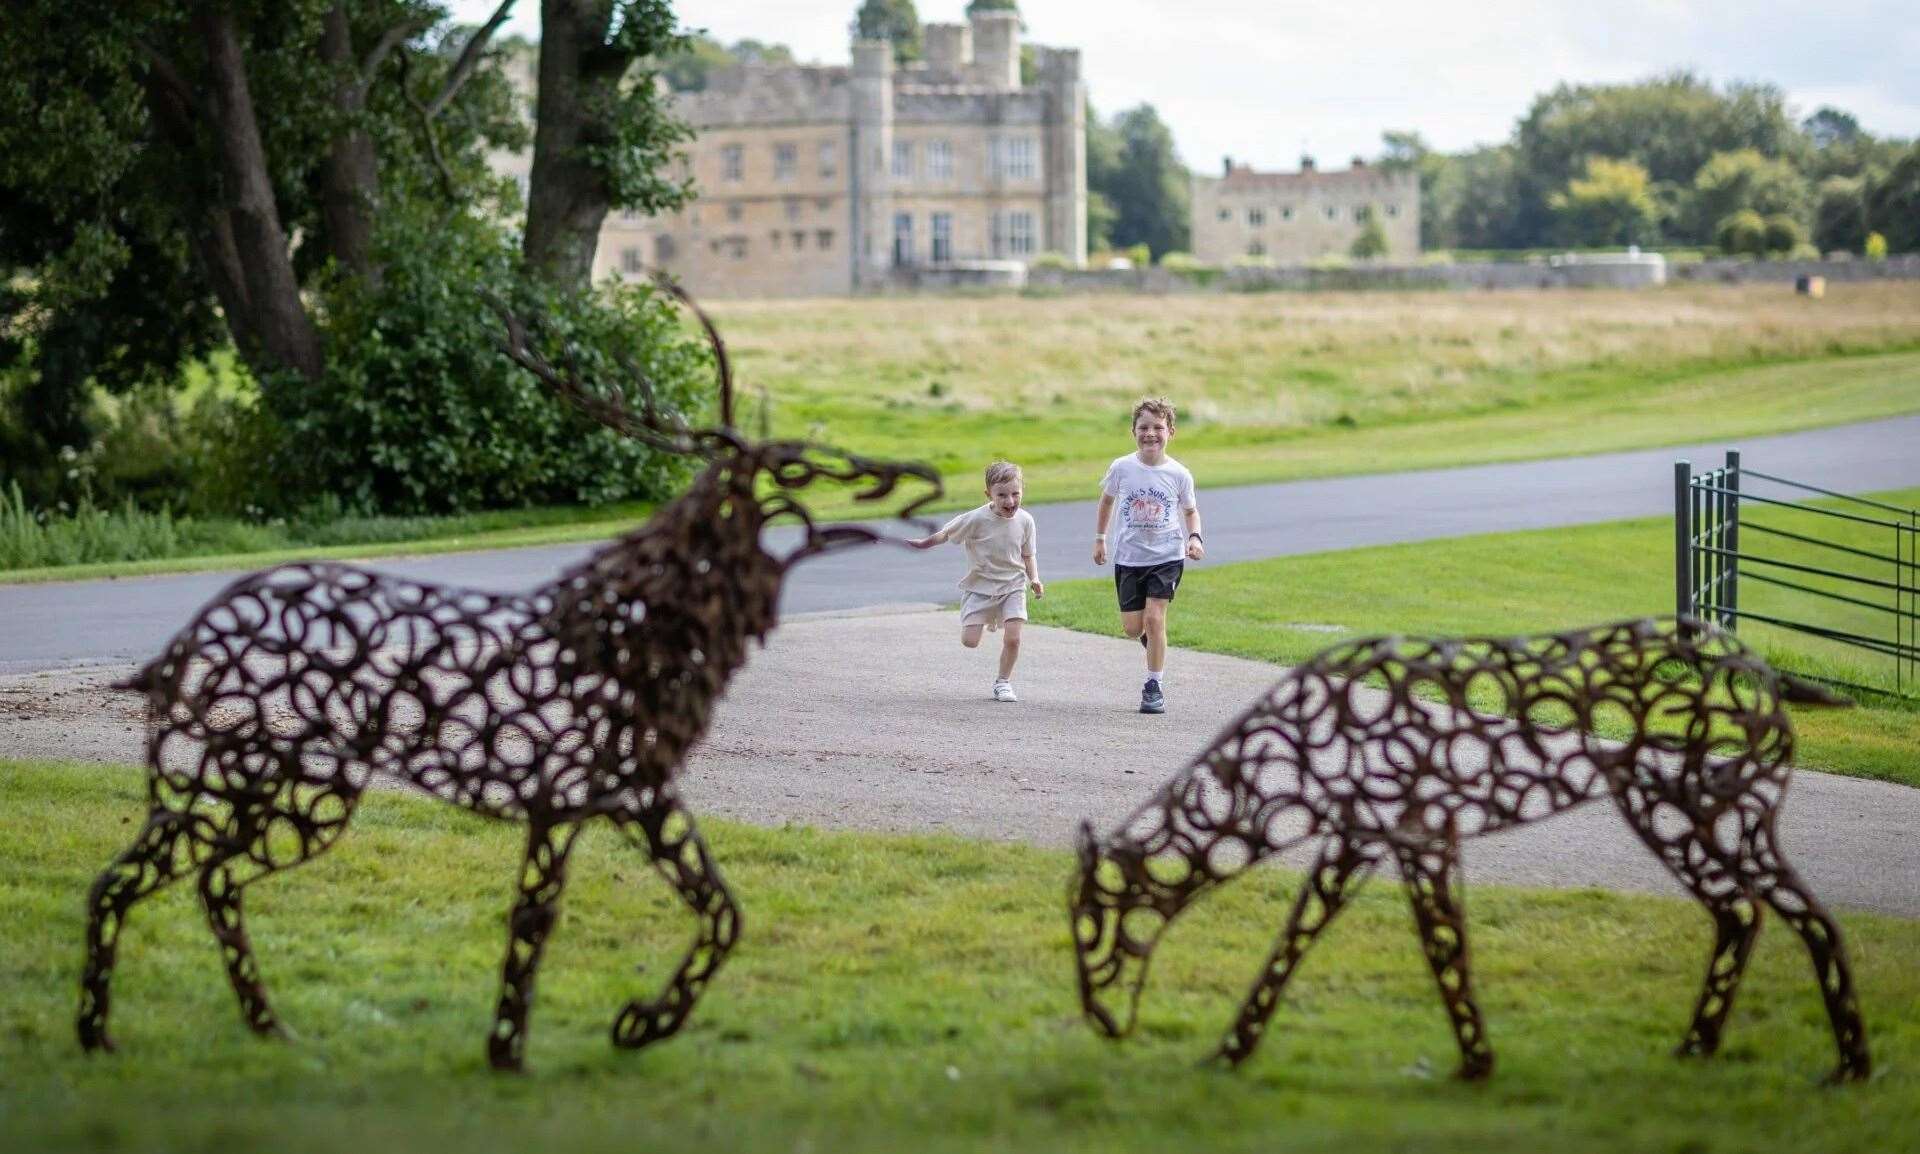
(1743, 232)
(1783, 234)
(1876, 246)
(420, 411)
(1179, 261)
(1371, 243)
(1139, 254)
(1050, 260)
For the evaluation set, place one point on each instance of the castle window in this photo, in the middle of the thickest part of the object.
(1016, 158)
(733, 163)
(1019, 234)
(799, 239)
(823, 203)
(1393, 209)
(902, 239)
(773, 238)
(1256, 217)
(786, 158)
(939, 160)
(903, 160)
(829, 158)
(663, 249)
(1286, 212)
(793, 208)
(738, 245)
(1333, 212)
(630, 260)
(1362, 213)
(734, 213)
(1226, 214)
(1256, 249)
(823, 237)
(942, 237)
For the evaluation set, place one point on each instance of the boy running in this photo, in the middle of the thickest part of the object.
(1001, 566)
(1150, 549)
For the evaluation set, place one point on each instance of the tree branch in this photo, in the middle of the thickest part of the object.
(447, 183)
(469, 59)
(389, 40)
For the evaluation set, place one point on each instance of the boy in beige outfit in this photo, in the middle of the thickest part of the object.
(1001, 565)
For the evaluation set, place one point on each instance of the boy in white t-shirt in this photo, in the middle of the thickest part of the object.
(1001, 565)
(1153, 543)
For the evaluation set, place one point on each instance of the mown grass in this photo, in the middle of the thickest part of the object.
(1285, 609)
(1270, 387)
(890, 993)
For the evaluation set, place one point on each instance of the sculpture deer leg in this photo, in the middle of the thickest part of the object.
(319, 815)
(1429, 871)
(1729, 902)
(1335, 876)
(543, 877)
(667, 832)
(144, 867)
(1780, 887)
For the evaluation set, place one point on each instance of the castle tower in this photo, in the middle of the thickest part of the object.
(949, 50)
(869, 161)
(996, 48)
(1066, 152)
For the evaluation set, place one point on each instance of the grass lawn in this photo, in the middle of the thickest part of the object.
(890, 994)
(1270, 387)
(1285, 609)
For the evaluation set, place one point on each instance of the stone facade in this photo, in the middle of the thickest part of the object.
(824, 180)
(1290, 218)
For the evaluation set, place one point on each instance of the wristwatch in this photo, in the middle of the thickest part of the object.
(1196, 537)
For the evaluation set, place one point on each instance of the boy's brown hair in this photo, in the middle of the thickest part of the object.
(1000, 472)
(1158, 406)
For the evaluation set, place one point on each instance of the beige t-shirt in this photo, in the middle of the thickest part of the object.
(995, 546)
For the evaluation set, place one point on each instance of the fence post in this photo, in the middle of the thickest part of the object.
(1682, 539)
(1730, 598)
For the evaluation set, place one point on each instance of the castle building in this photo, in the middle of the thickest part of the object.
(817, 180)
(1295, 217)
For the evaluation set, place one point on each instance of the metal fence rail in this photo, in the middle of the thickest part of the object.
(1879, 571)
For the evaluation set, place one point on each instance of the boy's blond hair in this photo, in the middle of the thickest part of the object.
(1158, 406)
(1000, 472)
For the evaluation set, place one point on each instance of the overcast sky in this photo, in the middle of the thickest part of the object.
(1260, 81)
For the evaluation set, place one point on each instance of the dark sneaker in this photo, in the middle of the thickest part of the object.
(1151, 699)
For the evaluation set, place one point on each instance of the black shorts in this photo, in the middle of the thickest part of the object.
(1136, 583)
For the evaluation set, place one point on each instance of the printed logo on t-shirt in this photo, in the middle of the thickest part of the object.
(1149, 508)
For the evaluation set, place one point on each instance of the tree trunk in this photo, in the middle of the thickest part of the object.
(284, 336)
(350, 179)
(578, 85)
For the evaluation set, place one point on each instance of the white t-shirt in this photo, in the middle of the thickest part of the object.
(1149, 529)
(996, 547)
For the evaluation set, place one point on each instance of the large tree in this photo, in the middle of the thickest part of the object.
(894, 20)
(178, 172)
(604, 137)
(1146, 185)
(1669, 126)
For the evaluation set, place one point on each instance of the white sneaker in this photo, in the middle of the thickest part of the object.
(1003, 691)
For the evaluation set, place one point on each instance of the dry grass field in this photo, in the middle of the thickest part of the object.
(959, 379)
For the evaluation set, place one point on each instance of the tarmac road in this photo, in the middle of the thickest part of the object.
(68, 624)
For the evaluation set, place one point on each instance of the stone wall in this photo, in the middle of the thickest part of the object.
(1754, 271)
(1582, 274)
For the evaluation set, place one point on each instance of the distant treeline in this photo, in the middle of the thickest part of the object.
(1672, 160)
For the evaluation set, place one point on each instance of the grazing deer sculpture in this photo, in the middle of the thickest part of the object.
(288, 693)
(1470, 737)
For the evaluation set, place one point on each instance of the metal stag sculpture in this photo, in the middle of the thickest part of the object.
(287, 694)
(1469, 737)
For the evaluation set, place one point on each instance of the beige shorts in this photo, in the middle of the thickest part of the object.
(990, 609)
